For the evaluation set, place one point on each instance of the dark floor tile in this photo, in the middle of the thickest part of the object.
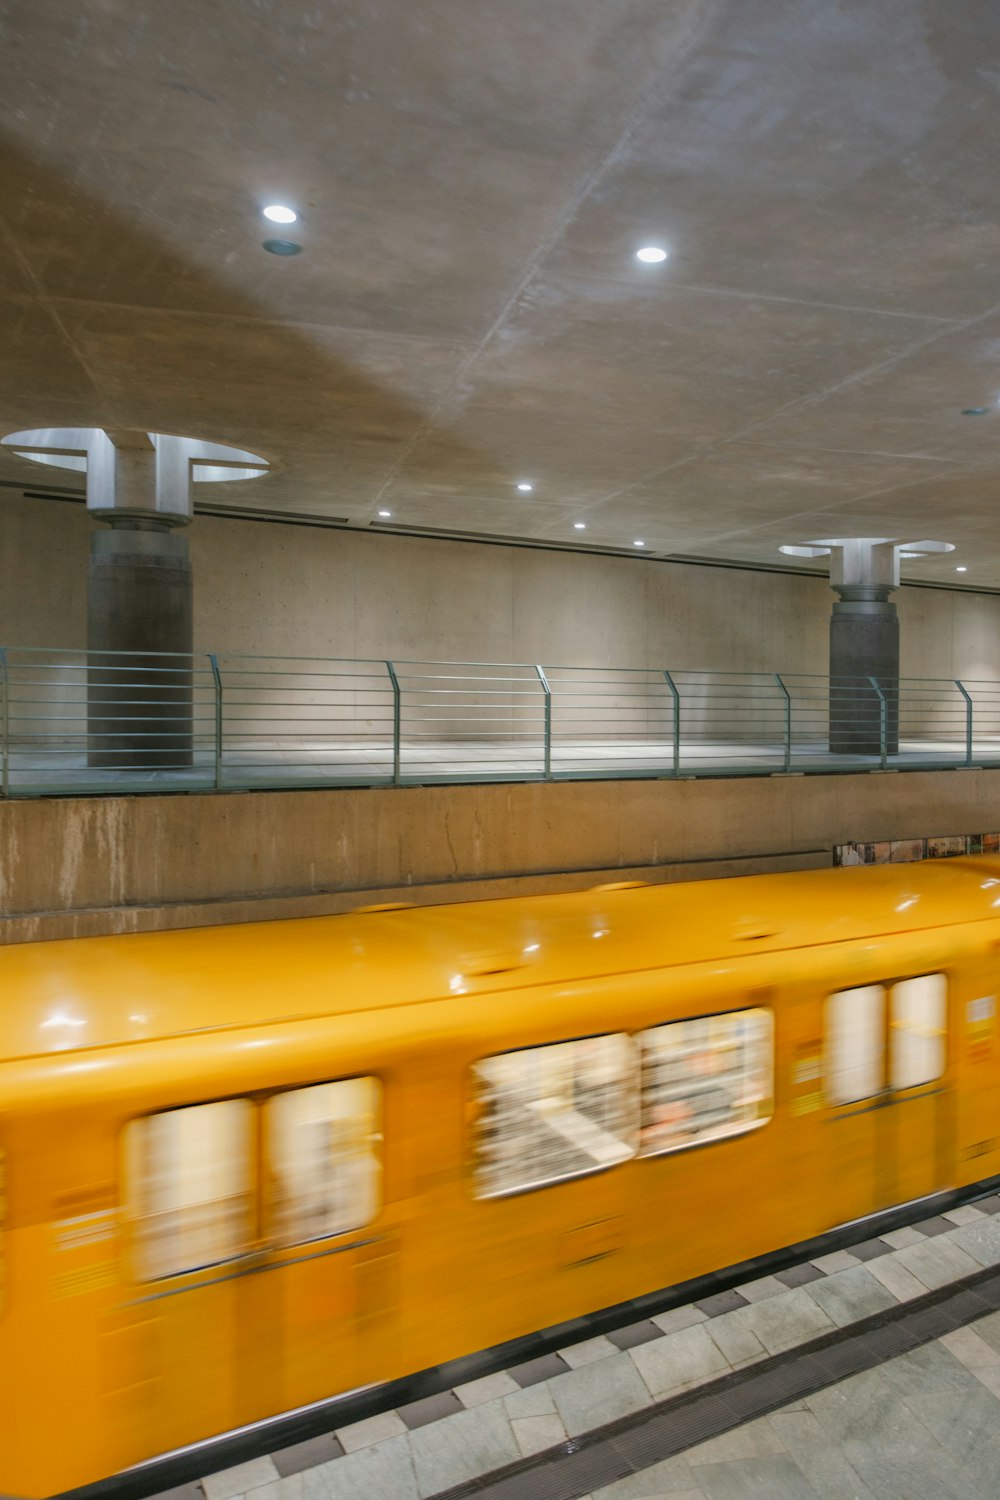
(968, 1304)
(704, 1419)
(931, 1323)
(989, 1290)
(990, 1205)
(721, 1302)
(192, 1491)
(654, 1440)
(869, 1249)
(848, 1358)
(888, 1340)
(937, 1225)
(791, 1378)
(543, 1482)
(534, 1371)
(593, 1467)
(430, 1409)
(750, 1397)
(800, 1275)
(634, 1334)
(307, 1455)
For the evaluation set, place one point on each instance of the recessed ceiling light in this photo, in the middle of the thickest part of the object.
(638, 544)
(279, 214)
(385, 514)
(651, 254)
(974, 411)
(524, 485)
(579, 525)
(282, 247)
(961, 570)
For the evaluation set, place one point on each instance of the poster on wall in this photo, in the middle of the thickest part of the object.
(907, 851)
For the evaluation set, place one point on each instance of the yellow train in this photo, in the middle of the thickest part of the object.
(245, 1168)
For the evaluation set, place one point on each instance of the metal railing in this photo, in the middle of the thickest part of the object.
(73, 721)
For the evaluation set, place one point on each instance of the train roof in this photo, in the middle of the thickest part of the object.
(105, 991)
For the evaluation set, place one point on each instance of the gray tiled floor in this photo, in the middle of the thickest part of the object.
(926, 1417)
(922, 1427)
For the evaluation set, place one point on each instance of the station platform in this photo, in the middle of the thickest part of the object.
(867, 1373)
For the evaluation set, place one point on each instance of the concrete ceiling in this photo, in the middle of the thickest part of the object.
(474, 178)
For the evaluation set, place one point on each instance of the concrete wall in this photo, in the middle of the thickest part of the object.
(288, 592)
(80, 866)
(300, 591)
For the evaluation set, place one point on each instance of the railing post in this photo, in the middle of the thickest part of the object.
(675, 695)
(968, 720)
(547, 761)
(5, 725)
(217, 681)
(883, 723)
(788, 721)
(397, 720)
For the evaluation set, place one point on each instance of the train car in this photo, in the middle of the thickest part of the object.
(246, 1168)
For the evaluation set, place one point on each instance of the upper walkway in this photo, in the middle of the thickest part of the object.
(227, 722)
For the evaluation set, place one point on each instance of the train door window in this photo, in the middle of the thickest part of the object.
(189, 1183)
(553, 1112)
(321, 1149)
(705, 1079)
(855, 1043)
(917, 1022)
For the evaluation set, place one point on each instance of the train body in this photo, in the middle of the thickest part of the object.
(246, 1168)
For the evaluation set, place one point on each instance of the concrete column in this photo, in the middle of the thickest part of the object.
(139, 599)
(139, 707)
(864, 645)
(864, 637)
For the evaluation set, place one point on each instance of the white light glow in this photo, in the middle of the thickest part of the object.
(525, 486)
(638, 544)
(532, 948)
(579, 525)
(961, 570)
(651, 254)
(385, 514)
(61, 1019)
(279, 214)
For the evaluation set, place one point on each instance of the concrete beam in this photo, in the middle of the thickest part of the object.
(75, 866)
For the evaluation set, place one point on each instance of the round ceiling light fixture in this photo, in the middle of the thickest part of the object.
(651, 254)
(579, 525)
(525, 486)
(961, 570)
(279, 214)
(385, 514)
(282, 247)
(638, 544)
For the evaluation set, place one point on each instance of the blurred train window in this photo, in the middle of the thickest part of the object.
(553, 1112)
(189, 1176)
(855, 1043)
(917, 1021)
(322, 1158)
(706, 1079)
